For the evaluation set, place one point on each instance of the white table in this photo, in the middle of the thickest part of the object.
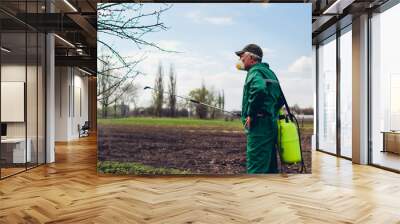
(18, 145)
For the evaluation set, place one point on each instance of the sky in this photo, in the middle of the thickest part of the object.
(206, 37)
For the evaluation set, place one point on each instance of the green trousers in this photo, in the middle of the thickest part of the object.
(261, 156)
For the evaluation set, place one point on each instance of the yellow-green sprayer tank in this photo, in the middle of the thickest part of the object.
(288, 141)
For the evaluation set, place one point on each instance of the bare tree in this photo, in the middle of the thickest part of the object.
(158, 94)
(220, 102)
(127, 22)
(172, 91)
(202, 95)
(112, 81)
(115, 108)
(223, 100)
(213, 101)
(295, 109)
(131, 92)
(103, 86)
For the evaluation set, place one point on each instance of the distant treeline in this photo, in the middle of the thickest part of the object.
(306, 111)
(122, 103)
(164, 101)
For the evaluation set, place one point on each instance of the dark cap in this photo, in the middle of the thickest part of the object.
(252, 48)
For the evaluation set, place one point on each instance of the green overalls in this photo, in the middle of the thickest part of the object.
(261, 101)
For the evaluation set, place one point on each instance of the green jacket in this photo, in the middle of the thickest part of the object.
(260, 96)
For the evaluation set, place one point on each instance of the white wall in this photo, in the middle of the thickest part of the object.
(12, 73)
(62, 81)
(16, 73)
(12, 99)
(80, 110)
(71, 94)
(33, 126)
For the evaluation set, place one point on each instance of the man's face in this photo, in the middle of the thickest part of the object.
(248, 61)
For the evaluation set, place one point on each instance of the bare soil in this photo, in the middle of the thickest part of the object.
(198, 150)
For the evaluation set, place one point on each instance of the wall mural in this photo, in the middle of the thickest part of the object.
(173, 80)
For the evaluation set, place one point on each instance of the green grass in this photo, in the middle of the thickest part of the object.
(131, 168)
(307, 127)
(185, 122)
(149, 121)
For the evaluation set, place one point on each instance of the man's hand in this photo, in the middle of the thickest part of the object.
(247, 124)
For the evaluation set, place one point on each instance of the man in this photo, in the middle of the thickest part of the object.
(261, 102)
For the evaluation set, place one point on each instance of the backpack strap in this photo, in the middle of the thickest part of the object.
(293, 119)
(283, 96)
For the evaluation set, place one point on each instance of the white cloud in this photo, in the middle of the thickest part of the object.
(297, 82)
(191, 69)
(221, 20)
(170, 45)
(267, 52)
(265, 5)
(198, 17)
(301, 65)
(298, 91)
(218, 70)
(194, 15)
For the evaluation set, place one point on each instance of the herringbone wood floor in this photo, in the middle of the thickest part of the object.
(70, 191)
